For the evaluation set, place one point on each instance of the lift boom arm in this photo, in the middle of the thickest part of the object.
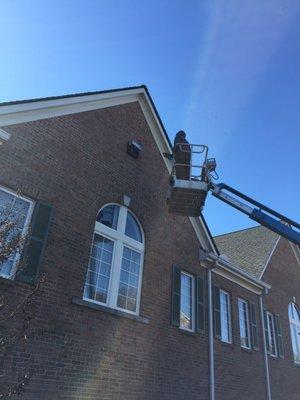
(258, 212)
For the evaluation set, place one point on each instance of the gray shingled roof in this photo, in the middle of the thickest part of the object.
(248, 249)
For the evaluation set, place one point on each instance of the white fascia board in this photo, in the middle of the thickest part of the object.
(155, 127)
(235, 278)
(296, 251)
(37, 110)
(269, 258)
(235, 274)
(202, 234)
(3, 135)
(33, 111)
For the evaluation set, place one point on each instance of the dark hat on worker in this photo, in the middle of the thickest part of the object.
(181, 134)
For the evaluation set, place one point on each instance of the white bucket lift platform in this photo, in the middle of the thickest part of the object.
(189, 181)
(187, 200)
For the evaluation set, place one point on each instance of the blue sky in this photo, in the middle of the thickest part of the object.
(226, 71)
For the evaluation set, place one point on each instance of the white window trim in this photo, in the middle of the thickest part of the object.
(24, 230)
(192, 329)
(294, 323)
(270, 330)
(120, 240)
(3, 136)
(229, 317)
(247, 323)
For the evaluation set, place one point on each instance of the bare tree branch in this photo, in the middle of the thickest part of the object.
(15, 318)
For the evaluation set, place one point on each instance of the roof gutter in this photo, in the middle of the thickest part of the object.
(227, 265)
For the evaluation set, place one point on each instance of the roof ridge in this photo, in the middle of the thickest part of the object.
(240, 230)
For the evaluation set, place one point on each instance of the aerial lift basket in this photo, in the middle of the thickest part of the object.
(189, 181)
(192, 177)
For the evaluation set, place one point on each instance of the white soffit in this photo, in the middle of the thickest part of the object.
(40, 109)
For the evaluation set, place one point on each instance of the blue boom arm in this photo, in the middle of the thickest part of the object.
(258, 212)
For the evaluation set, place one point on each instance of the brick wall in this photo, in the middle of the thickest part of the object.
(239, 373)
(78, 163)
(283, 273)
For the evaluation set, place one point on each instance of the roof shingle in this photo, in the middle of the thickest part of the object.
(248, 249)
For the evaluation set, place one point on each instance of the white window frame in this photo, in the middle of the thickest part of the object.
(120, 240)
(3, 136)
(227, 295)
(247, 322)
(271, 333)
(192, 329)
(294, 330)
(24, 230)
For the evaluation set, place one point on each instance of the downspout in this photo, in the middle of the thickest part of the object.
(265, 354)
(211, 337)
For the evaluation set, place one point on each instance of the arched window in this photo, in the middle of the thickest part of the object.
(294, 317)
(115, 269)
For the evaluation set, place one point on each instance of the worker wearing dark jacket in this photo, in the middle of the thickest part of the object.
(182, 155)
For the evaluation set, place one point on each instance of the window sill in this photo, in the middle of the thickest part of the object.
(113, 311)
(226, 344)
(273, 357)
(246, 350)
(187, 331)
(296, 364)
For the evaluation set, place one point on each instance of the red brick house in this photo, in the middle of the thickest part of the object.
(137, 302)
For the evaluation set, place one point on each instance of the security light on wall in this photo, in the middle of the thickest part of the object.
(133, 148)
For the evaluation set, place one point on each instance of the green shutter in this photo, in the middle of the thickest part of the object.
(253, 324)
(200, 305)
(217, 312)
(34, 250)
(266, 331)
(279, 339)
(176, 284)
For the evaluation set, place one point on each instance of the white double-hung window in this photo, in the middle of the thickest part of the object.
(271, 334)
(225, 316)
(294, 318)
(244, 323)
(114, 274)
(15, 214)
(187, 290)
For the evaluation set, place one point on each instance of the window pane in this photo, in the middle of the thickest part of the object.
(294, 313)
(295, 330)
(297, 358)
(13, 209)
(98, 274)
(271, 334)
(6, 201)
(244, 324)
(225, 317)
(109, 216)
(89, 291)
(21, 207)
(132, 228)
(186, 311)
(129, 280)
